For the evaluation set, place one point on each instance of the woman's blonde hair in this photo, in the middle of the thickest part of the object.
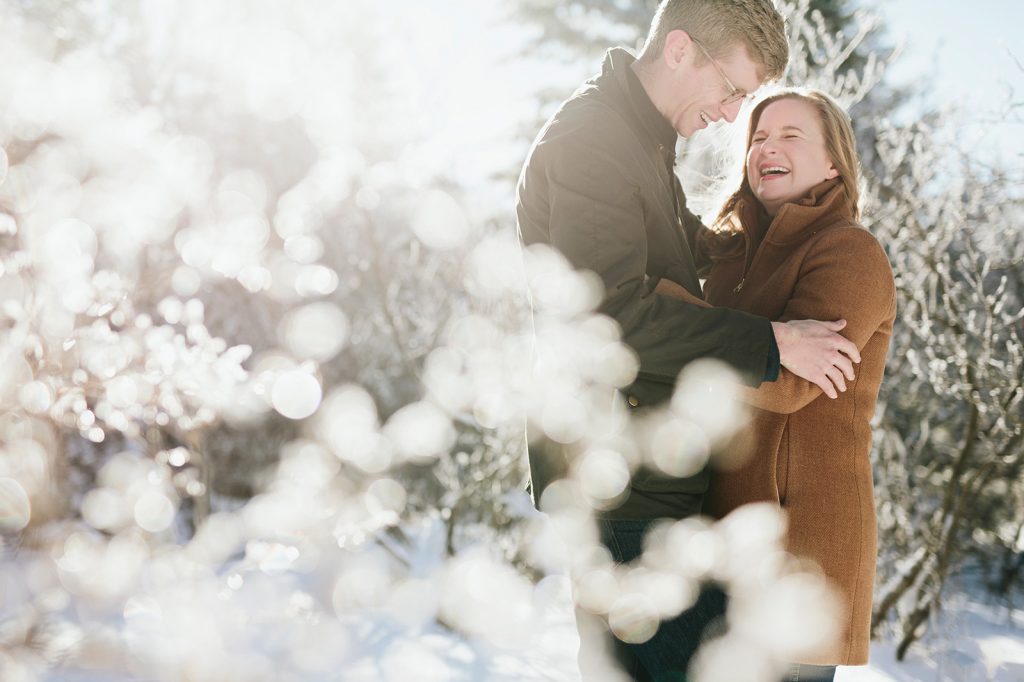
(840, 145)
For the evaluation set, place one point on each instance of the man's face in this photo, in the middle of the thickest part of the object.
(697, 86)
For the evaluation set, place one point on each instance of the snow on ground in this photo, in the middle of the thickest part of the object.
(436, 655)
(969, 641)
(386, 653)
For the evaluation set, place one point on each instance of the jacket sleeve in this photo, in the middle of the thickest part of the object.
(596, 218)
(845, 275)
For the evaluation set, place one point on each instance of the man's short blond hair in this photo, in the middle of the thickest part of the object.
(720, 25)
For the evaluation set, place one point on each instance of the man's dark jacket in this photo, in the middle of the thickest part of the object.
(599, 186)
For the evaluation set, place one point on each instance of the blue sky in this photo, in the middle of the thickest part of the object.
(965, 48)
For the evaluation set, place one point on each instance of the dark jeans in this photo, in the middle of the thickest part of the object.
(810, 673)
(666, 656)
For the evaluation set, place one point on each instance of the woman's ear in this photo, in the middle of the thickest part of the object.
(832, 172)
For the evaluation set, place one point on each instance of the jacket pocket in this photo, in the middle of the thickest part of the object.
(782, 466)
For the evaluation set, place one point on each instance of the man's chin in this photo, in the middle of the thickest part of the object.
(691, 129)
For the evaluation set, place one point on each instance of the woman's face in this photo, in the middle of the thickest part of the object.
(787, 154)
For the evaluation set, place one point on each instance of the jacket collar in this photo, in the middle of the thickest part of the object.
(618, 77)
(824, 205)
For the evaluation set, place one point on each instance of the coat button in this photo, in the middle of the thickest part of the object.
(632, 400)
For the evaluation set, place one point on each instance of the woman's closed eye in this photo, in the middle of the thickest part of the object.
(785, 136)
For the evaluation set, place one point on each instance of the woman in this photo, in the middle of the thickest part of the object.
(788, 246)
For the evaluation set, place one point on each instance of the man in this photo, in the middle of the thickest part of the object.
(599, 186)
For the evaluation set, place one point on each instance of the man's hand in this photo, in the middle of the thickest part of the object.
(814, 351)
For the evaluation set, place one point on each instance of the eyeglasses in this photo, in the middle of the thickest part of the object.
(735, 94)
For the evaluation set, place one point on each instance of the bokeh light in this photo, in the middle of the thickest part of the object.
(468, 603)
(388, 495)
(679, 446)
(348, 424)
(185, 281)
(26, 461)
(731, 657)
(105, 509)
(604, 475)
(153, 511)
(365, 580)
(15, 510)
(36, 397)
(296, 394)
(597, 590)
(633, 617)
(556, 288)
(798, 617)
(414, 603)
(495, 268)
(410, 659)
(420, 431)
(440, 222)
(316, 331)
(708, 394)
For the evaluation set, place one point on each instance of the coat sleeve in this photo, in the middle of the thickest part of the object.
(596, 219)
(845, 275)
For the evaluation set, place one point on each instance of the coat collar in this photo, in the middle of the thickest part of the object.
(618, 78)
(825, 205)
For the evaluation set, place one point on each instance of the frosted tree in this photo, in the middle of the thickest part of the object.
(949, 454)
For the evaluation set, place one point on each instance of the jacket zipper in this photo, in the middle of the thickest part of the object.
(748, 268)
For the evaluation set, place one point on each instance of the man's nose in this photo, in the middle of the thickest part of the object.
(731, 111)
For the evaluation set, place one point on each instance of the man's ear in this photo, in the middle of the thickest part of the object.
(677, 45)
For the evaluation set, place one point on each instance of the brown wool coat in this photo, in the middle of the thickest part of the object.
(811, 453)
